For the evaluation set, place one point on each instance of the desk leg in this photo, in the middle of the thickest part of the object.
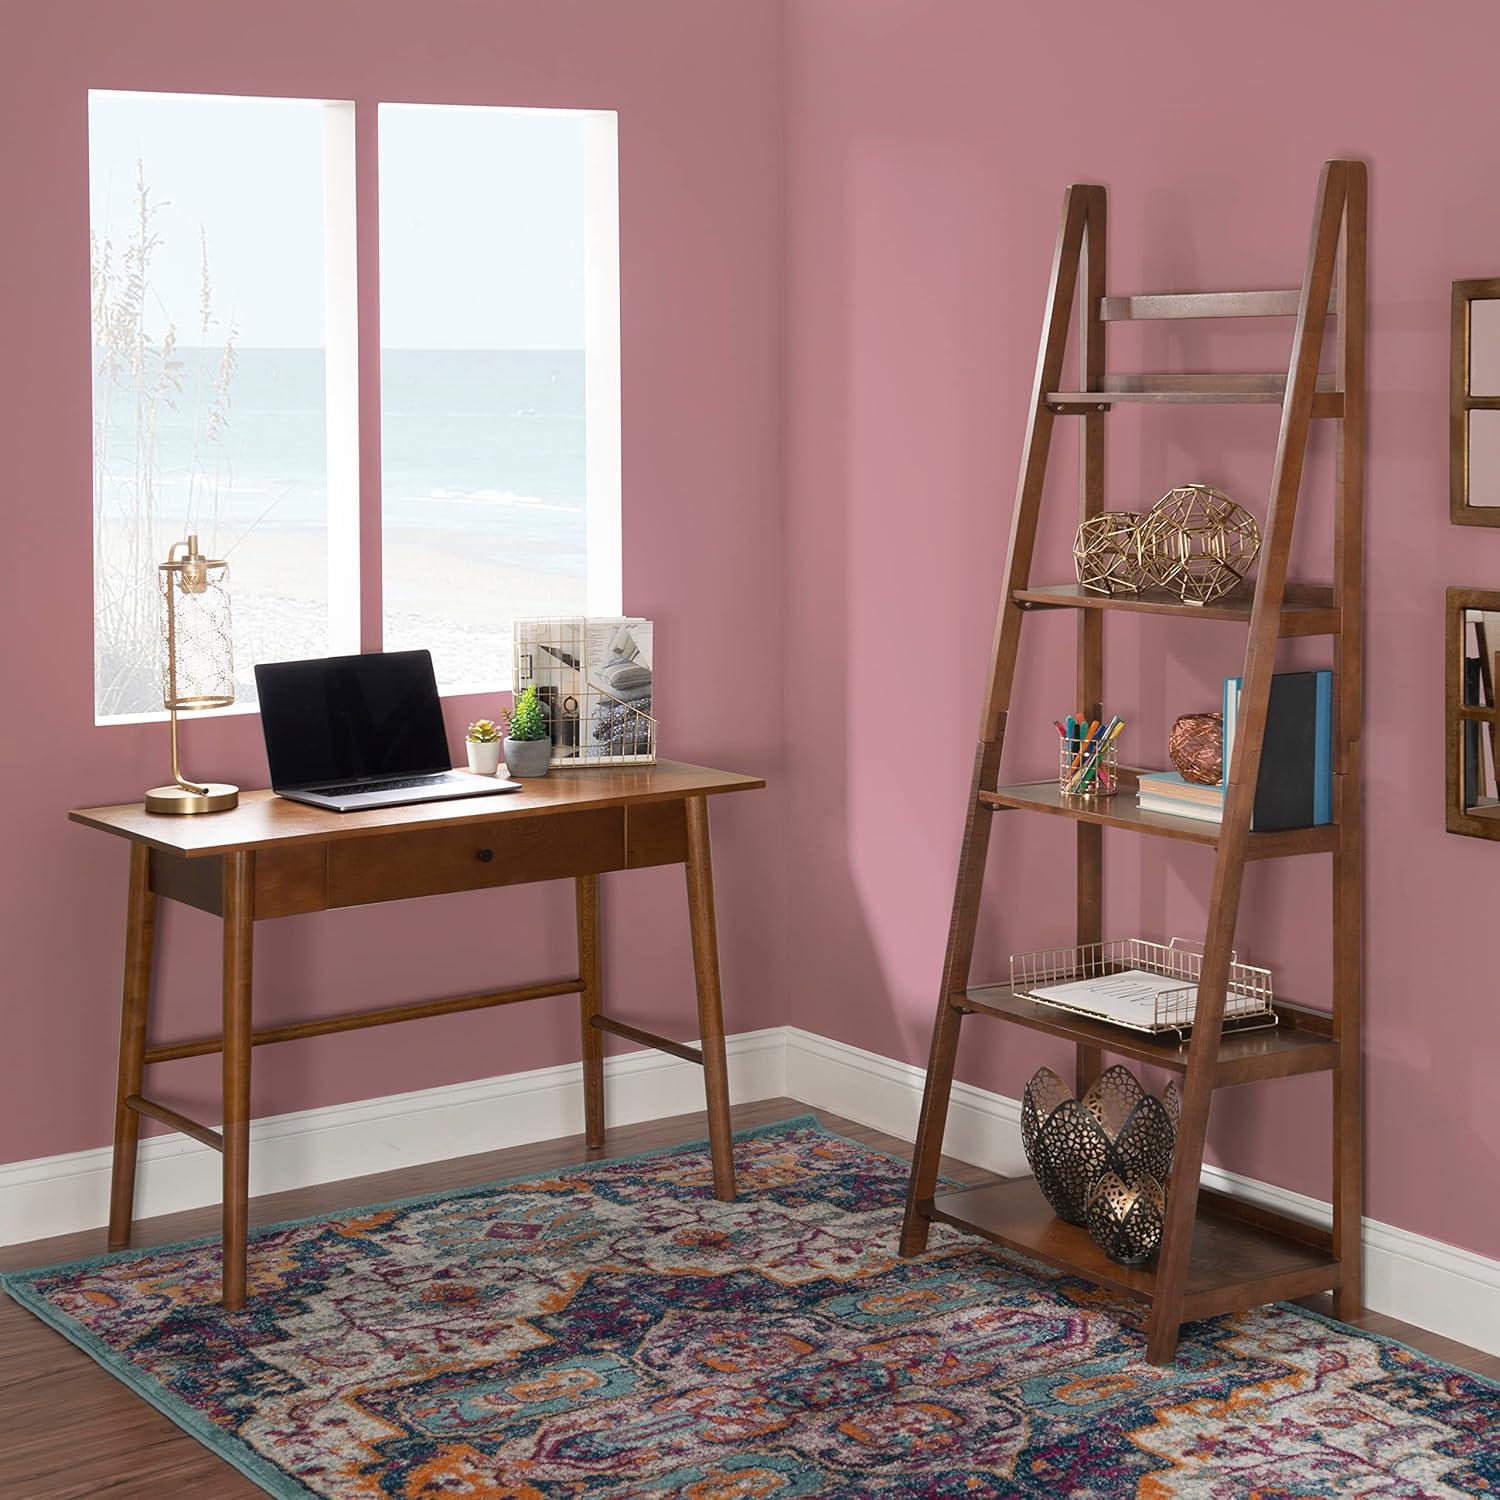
(590, 1005)
(239, 935)
(140, 946)
(700, 889)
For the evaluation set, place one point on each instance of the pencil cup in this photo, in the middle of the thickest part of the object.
(1089, 774)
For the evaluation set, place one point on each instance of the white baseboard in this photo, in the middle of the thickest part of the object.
(1422, 1281)
(63, 1194)
(1435, 1286)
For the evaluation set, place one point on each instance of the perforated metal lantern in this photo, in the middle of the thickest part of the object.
(1117, 1127)
(1107, 553)
(1126, 1216)
(1197, 543)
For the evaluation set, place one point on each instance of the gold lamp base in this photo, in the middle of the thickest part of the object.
(215, 797)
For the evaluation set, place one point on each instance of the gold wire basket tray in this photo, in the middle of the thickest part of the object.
(1157, 988)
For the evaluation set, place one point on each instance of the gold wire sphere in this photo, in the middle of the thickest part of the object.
(1107, 554)
(1197, 543)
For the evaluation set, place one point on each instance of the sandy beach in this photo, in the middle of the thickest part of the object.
(440, 592)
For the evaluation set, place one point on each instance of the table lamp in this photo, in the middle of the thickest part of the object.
(199, 669)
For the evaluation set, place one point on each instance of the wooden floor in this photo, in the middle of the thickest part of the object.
(67, 1429)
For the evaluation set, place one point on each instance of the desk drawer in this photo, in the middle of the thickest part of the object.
(475, 856)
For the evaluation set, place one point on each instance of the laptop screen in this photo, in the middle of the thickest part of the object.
(351, 718)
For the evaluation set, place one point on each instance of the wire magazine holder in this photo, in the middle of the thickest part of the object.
(594, 680)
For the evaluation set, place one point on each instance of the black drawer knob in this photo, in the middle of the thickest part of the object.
(486, 855)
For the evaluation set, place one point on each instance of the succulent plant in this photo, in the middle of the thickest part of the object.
(483, 732)
(527, 722)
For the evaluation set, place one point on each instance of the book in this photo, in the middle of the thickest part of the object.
(1175, 785)
(1295, 785)
(1203, 812)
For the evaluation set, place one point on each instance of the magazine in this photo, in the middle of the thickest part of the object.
(594, 680)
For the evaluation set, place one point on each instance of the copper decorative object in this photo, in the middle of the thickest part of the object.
(1125, 1217)
(1198, 543)
(1196, 746)
(1116, 1127)
(1106, 553)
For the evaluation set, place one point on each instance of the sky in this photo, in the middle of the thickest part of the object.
(481, 218)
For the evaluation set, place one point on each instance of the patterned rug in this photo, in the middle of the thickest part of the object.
(611, 1330)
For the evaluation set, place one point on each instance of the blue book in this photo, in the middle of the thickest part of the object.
(1295, 786)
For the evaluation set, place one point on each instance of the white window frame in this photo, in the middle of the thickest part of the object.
(604, 583)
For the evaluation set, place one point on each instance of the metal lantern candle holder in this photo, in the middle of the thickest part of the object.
(1126, 1216)
(198, 665)
(1116, 1127)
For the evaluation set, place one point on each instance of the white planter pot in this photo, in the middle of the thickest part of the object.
(484, 757)
(528, 757)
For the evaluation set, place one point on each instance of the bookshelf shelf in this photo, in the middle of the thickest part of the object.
(1121, 811)
(1233, 1264)
(1302, 1043)
(1216, 1254)
(1306, 610)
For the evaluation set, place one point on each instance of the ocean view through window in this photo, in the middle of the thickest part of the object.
(499, 306)
(210, 232)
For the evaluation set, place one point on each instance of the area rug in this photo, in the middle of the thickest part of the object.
(611, 1330)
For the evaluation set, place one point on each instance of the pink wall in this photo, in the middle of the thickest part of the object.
(928, 146)
(883, 321)
(697, 91)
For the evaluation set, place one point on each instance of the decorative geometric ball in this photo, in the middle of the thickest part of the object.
(1107, 554)
(1196, 746)
(1198, 543)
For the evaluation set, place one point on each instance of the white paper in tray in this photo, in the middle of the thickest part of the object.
(1129, 998)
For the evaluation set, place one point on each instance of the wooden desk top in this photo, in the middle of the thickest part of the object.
(263, 819)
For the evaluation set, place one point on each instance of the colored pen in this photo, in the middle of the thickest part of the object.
(1084, 744)
(1106, 740)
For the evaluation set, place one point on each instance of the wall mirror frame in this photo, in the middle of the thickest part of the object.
(1471, 627)
(1474, 404)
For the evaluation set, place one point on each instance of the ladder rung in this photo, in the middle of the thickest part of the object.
(1158, 305)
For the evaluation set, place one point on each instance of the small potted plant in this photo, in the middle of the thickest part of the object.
(483, 745)
(528, 743)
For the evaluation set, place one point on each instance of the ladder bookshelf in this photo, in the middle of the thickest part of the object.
(1218, 1254)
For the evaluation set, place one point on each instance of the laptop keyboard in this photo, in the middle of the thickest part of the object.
(383, 786)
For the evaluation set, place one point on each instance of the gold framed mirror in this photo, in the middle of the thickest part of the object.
(1472, 630)
(1474, 404)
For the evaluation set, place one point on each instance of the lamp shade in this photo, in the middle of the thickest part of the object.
(197, 637)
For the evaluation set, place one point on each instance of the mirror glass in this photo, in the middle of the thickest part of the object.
(1481, 643)
(1484, 347)
(1484, 458)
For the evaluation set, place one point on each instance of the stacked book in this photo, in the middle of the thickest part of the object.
(1295, 787)
(1168, 792)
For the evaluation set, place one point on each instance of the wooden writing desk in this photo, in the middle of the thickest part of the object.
(273, 858)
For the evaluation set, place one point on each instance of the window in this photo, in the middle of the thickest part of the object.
(498, 376)
(225, 339)
(212, 228)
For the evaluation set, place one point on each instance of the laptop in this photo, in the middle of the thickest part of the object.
(353, 732)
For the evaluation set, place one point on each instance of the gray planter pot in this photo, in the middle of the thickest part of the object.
(527, 757)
